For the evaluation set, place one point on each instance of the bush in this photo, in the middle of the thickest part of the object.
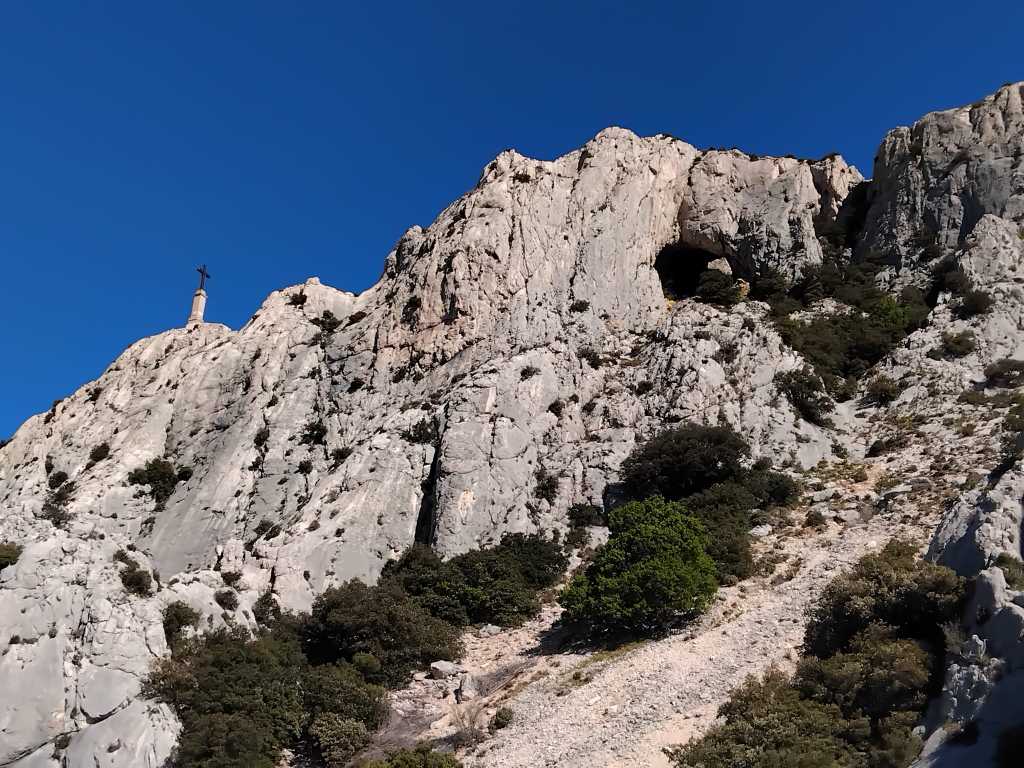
(497, 585)
(421, 757)
(239, 700)
(226, 599)
(314, 433)
(381, 621)
(423, 432)
(99, 453)
(579, 306)
(653, 568)
(547, 486)
(340, 690)
(297, 299)
(160, 476)
(56, 480)
(855, 700)
(716, 287)
(882, 390)
(974, 303)
(954, 345)
(683, 461)
(502, 719)
(844, 346)
(231, 577)
(176, 617)
(528, 372)
(9, 553)
(1005, 373)
(266, 610)
(891, 586)
(581, 515)
(338, 738)
(805, 392)
(137, 581)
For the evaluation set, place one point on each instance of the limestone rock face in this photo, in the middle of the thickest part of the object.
(509, 358)
(935, 180)
(525, 334)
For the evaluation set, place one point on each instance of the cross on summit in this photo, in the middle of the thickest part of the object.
(195, 317)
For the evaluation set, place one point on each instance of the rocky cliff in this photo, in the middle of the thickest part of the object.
(508, 359)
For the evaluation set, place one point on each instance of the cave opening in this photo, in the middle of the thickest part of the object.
(679, 267)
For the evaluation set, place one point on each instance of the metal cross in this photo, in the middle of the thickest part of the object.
(203, 276)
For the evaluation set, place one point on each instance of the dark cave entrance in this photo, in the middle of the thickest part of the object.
(680, 267)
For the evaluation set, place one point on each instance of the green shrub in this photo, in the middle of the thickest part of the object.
(891, 586)
(176, 617)
(702, 467)
(266, 610)
(305, 467)
(528, 372)
(716, 287)
(1005, 373)
(579, 306)
(974, 303)
(954, 345)
(262, 435)
(682, 461)
(339, 739)
(231, 578)
(653, 568)
(226, 599)
(805, 392)
(314, 433)
(239, 700)
(9, 553)
(882, 390)
(160, 476)
(381, 621)
(421, 757)
(137, 581)
(297, 299)
(581, 515)
(502, 719)
(340, 690)
(99, 453)
(56, 480)
(496, 585)
(546, 487)
(842, 347)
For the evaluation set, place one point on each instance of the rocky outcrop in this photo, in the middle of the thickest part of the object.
(936, 180)
(509, 358)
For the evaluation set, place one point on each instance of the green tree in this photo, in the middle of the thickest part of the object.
(653, 567)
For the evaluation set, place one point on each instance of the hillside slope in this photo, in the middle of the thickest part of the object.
(537, 329)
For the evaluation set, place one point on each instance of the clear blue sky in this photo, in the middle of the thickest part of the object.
(274, 141)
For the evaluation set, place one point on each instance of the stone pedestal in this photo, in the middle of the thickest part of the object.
(195, 317)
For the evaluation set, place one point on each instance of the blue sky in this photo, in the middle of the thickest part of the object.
(274, 141)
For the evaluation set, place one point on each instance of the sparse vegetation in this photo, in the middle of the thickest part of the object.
(974, 303)
(528, 372)
(135, 580)
(9, 553)
(423, 432)
(579, 306)
(805, 392)
(546, 487)
(882, 390)
(314, 433)
(161, 477)
(954, 345)
(226, 599)
(176, 618)
(843, 346)
(873, 655)
(98, 454)
(1007, 373)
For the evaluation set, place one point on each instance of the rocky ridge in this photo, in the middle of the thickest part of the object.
(526, 333)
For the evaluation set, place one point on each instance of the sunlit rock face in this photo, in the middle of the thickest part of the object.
(509, 358)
